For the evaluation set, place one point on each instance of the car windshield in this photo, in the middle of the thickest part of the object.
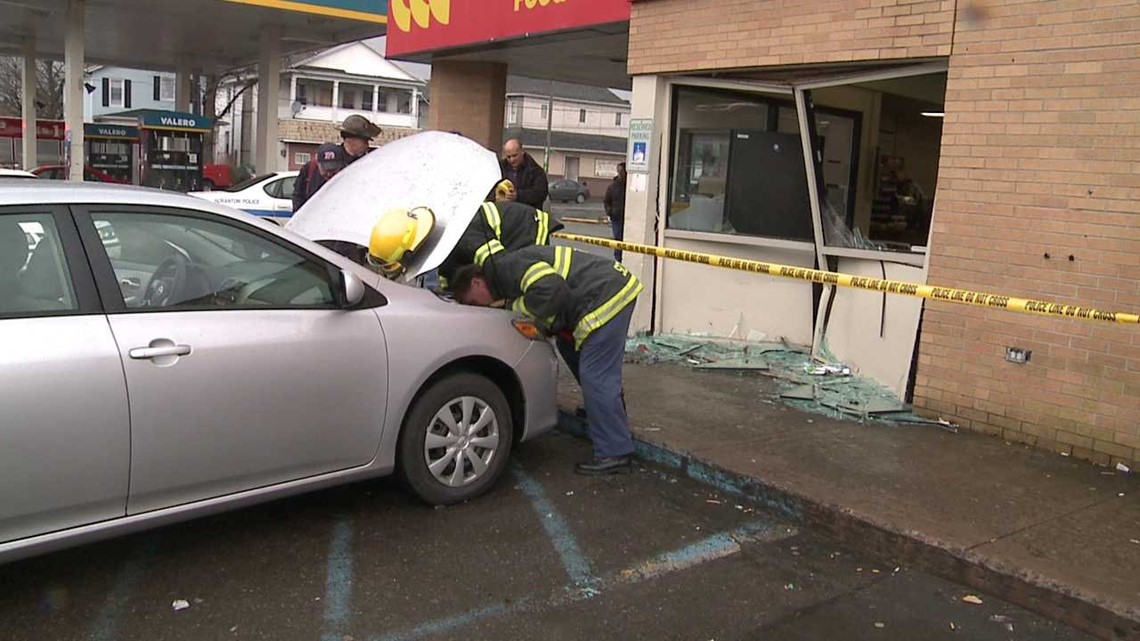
(249, 182)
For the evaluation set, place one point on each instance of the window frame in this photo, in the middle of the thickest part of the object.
(83, 285)
(106, 282)
(111, 92)
(163, 83)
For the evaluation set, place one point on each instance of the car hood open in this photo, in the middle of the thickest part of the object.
(448, 173)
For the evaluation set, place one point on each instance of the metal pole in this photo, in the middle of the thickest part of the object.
(549, 123)
(29, 104)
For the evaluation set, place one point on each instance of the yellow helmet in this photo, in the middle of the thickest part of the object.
(504, 188)
(397, 236)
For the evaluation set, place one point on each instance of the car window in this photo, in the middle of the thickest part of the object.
(186, 262)
(280, 188)
(248, 182)
(33, 271)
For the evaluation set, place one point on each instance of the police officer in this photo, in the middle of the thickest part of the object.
(502, 226)
(586, 302)
(356, 133)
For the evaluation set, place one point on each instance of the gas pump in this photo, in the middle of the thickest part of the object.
(113, 150)
(170, 146)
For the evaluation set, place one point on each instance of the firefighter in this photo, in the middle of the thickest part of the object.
(586, 302)
(504, 226)
(396, 238)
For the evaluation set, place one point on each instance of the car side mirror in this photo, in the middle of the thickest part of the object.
(353, 288)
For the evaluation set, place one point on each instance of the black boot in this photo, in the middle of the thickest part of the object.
(606, 465)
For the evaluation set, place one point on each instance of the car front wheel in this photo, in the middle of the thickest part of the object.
(580, 199)
(456, 439)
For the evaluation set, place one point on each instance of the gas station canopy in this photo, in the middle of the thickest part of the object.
(211, 35)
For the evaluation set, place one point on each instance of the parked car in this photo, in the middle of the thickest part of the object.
(15, 173)
(268, 195)
(566, 190)
(215, 360)
(90, 174)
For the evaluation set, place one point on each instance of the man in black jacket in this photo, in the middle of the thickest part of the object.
(586, 302)
(503, 226)
(528, 179)
(615, 206)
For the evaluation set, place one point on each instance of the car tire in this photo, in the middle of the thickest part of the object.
(482, 446)
(580, 198)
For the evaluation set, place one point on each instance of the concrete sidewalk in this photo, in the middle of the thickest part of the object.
(1052, 534)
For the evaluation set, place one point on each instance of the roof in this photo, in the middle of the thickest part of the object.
(564, 90)
(356, 59)
(536, 139)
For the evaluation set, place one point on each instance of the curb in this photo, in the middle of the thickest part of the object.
(1073, 607)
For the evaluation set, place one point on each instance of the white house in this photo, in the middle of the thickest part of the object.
(111, 90)
(318, 93)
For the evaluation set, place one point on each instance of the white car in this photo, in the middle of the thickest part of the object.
(269, 195)
(15, 173)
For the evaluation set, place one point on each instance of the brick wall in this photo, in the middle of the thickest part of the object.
(1040, 162)
(320, 131)
(469, 97)
(683, 35)
(1039, 196)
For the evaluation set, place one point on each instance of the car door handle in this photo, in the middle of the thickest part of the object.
(155, 352)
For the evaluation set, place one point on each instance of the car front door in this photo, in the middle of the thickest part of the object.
(64, 424)
(243, 367)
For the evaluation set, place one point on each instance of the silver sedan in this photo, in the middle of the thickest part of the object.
(163, 357)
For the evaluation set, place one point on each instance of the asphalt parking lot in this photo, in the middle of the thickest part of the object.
(547, 554)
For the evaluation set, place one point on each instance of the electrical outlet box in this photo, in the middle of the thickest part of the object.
(1017, 355)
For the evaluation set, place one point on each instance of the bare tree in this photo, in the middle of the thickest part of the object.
(242, 80)
(49, 88)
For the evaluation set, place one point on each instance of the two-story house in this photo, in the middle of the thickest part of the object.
(318, 93)
(588, 128)
(112, 90)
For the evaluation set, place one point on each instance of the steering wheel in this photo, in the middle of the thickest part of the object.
(168, 284)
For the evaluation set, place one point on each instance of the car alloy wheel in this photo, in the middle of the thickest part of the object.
(462, 441)
(580, 199)
(455, 439)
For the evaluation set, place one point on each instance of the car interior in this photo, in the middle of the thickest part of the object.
(189, 263)
(32, 273)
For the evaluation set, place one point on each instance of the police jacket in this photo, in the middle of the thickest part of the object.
(504, 226)
(529, 180)
(562, 289)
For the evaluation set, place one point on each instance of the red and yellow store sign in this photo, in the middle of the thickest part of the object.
(416, 26)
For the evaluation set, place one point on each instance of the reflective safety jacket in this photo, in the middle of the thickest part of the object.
(499, 227)
(562, 289)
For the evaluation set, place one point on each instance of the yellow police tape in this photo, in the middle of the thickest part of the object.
(948, 294)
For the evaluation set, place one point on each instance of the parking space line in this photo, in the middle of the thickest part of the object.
(717, 546)
(441, 626)
(714, 547)
(576, 564)
(129, 578)
(338, 582)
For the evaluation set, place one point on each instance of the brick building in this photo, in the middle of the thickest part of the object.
(991, 145)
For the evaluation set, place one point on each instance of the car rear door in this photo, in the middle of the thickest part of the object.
(280, 192)
(64, 422)
(243, 368)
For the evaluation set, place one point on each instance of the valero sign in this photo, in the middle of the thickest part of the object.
(418, 26)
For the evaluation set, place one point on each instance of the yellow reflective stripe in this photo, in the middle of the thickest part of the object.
(543, 235)
(486, 250)
(537, 271)
(606, 312)
(491, 213)
(562, 257)
(519, 306)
